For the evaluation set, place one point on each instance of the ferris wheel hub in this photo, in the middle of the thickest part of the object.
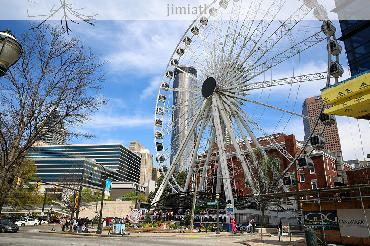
(208, 87)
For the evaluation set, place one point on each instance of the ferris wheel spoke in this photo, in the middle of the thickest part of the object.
(262, 27)
(282, 31)
(245, 164)
(264, 105)
(276, 145)
(283, 56)
(233, 105)
(196, 147)
(237, 33)
(277, 82)
(179, 153)
(202, 185)
(222, 165)
(257, 34)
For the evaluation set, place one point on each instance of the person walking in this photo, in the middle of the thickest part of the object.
(233, 226)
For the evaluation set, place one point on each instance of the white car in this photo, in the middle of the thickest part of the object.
(27, 222)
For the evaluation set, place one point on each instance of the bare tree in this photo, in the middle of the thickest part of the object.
(68, 13)
(55, 73)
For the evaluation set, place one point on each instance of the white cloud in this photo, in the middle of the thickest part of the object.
(351, 136)
(111, 122)
(144, 47)
(152, 88)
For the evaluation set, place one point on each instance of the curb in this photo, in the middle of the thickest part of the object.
(80, 234)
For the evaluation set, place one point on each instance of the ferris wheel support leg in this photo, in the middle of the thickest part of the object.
(255, 163)
(221, 147)
(245, 124)
(249, 130)
(195, 152)
(245, 167)
(219, 179)
(202, 185)
(178, 155)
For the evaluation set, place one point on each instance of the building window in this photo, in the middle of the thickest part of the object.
(314, 184)
(312, 170)
(301, 178)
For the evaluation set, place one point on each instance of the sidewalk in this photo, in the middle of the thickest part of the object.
(244, 239)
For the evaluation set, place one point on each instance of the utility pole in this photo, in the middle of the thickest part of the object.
(79, 202)
(100, 226)
(218, 190)
(194, 199)
(218, 214)
(43, 204)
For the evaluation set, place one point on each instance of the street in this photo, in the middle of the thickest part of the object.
(31, 236)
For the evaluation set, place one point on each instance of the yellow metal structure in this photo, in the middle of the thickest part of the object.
(349, 98)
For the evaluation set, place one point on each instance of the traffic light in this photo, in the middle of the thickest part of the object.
(76, 201)
(19, 181)
(38, 184)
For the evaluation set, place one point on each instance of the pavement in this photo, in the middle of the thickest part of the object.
(42, 236)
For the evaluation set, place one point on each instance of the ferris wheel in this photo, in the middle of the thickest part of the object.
(237, 75)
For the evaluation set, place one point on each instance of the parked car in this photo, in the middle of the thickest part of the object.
(8, 226)
(27, 222)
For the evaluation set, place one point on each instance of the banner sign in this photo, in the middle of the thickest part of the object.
(326, 220)
(354, 222)
(108, 184)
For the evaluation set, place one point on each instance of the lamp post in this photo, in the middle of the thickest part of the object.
(218, 214)
(10, 51)
(102, 179)
(195, 169)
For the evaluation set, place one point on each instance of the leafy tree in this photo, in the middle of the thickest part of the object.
(88, 196)
(25, 194)
(55, 73)
(133, 196)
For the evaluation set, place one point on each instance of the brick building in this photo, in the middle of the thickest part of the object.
(312, 109)
(324, 172)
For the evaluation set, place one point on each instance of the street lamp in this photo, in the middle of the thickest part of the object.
(195, 169)
(102, 179)
(10, 51)
(218, 214)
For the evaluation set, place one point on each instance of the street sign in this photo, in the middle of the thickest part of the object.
(211, 203)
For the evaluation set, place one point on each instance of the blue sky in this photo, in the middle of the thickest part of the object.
(136, 54)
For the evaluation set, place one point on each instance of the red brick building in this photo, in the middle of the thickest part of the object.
(323, 173)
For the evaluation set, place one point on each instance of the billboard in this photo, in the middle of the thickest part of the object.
(354, 222)
(317, 220)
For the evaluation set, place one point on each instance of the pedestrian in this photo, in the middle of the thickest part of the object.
(253, 223)
(280, 229)
(233, 226)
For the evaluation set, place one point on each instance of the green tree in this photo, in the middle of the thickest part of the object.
(134, 196)
(88, 195)
(25, 194)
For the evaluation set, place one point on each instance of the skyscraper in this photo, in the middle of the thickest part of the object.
(355, 26)
(53, 133)
(146, 168)
(112, 156)
(182, 112)
(312, 108)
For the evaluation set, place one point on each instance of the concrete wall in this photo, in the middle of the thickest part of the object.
(110, 209)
